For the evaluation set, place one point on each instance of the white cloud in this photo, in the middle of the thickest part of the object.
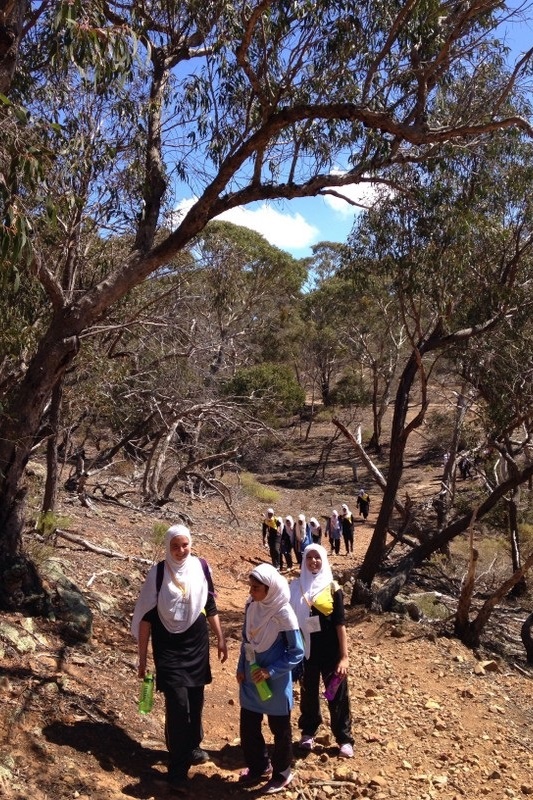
(364, 194)
(284, 230)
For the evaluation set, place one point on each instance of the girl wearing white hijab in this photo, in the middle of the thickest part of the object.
(319, 606)
(175, 606)
(271, 648)
(334, 531)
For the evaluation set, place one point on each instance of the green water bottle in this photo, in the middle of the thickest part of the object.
(263, 689)
(146, 697)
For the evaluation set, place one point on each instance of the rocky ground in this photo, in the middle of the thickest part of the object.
(430, 718)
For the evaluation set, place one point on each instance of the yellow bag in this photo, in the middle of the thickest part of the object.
(323, 602)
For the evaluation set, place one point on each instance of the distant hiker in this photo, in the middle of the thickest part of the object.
(272, 536)
(302, 537)
(465, 467)
(287, 543)
(334, 532)
(363, 503)
(316, 530)
(348, 524)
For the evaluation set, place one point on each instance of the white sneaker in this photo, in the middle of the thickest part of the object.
(306, 742)
(277, 784)
(346, 750)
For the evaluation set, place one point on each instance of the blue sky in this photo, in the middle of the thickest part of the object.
(297, 225)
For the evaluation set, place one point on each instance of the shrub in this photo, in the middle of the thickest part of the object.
(48, 522)
(253, 488)
(350, 391)
(272, 386)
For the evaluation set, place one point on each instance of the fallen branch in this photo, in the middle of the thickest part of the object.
(102, 551)
(522, 671)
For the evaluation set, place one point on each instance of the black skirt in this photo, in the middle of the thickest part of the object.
(181, 659)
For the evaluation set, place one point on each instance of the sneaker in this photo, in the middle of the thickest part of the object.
(306, 742)
(346, 750)
(248, 778)
(199, 756)
(277, 783)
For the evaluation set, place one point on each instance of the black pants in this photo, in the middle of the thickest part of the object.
(274, 546)
(335, 546)
(183, 727)
(254, 745)
(339, 707)
(288, 558)
(348, 542)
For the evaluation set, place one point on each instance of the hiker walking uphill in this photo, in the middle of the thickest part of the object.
(271, 648)
(334, 532)
(272, 536)
(348, 524)
(302, 537)
(287, 542)
(176, 608)
(363, 503)
(319, 605)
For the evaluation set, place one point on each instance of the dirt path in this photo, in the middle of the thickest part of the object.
(427, 721)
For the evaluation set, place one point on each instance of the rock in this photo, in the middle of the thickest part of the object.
(17, 638)
(69, 604)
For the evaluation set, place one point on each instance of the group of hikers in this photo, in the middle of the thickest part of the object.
(287, 537)
(290, 632)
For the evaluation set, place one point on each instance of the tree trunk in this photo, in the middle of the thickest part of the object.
(520, 587)
(52, 461)
(159, 461)
(471, 635)
(11, 28)
(20, 423)
(369, 464)
(527, 639)
(399, 435)
(390, 589)
(462, 628)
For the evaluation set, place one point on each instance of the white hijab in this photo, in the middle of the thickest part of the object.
(183, 593)
(305, 588)
(265, 619)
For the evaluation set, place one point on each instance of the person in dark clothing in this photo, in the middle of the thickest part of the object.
(334, 532)
(348, 523)
(316, 530)
(272, 536)
(319, 605)
(363, 503)
(287, 542)
(177, 613)
(465, 468)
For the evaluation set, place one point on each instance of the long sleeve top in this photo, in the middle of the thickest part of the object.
(280, 659)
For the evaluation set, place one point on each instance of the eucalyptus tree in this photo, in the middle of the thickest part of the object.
(323, 353)
(376, 337)
(501, 372)
(244, 286)
(241, 103)
(459, 251)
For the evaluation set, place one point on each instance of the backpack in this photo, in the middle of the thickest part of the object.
(205, 567)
